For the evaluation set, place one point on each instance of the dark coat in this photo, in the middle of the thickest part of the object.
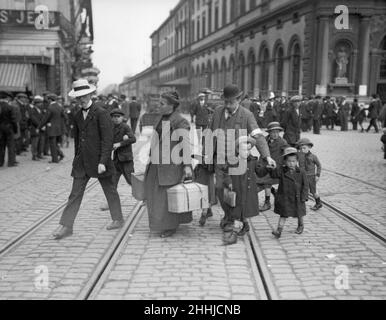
(291, 124)
(317, 110)
(245, 186)
(93, 143)
(8, 121)
(135, 110)
(270, 114)
(373, 110)
(330, 109)
(53, 120)
(202, 113)
(125, 152)
(276, 148)
(168, 174)
(305, 109)
(292, 194)
(35, 117)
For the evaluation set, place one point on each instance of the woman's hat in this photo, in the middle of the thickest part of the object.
(271, 96)
(296, 99)
(171, 96)
(274, 126)
(231, 91)
(288, 151)
(305, 142)
(117, 111)
(81, 88)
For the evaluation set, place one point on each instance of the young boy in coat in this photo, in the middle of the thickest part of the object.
(276, 146)
(245, 186)
(122, 147)
(292, 194)
(310, 163)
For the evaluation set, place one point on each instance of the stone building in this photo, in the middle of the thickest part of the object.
(44, 44)
(285, 46)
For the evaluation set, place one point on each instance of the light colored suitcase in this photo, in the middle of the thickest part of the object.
(138, 186)
(186, 197)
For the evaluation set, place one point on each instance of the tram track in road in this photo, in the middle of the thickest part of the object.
(353, 178)
(264, 282)
(103, 269)
(15, 241)
(357, 222)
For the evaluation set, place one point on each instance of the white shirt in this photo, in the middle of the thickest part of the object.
(85, 112)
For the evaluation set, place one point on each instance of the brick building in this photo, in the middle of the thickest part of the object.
(285, 46)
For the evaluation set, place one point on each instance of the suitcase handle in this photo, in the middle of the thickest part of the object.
(187, 192)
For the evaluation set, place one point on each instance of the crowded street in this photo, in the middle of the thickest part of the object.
(194, 264)
(230, 152)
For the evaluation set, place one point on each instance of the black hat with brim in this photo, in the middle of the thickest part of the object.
(117, 112)
(231, 92)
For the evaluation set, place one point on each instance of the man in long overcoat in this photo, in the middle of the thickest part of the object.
(93, 136)
(232, 116)
(291, 122)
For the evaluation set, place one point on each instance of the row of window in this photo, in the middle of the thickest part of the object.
(243, 71)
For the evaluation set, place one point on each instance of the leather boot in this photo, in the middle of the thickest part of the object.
(115, 225)
(244, 230)
(265, 207)
(277, 233)
(231, 238)
(300, 229)
(62, 232)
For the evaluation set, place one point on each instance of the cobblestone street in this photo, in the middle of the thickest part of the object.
(332, 259)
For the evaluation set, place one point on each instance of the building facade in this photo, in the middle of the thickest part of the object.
(285, 46)
(44, 44)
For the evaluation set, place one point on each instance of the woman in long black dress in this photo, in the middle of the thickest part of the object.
(161, 176)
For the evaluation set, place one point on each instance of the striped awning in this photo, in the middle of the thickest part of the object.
(15, 76)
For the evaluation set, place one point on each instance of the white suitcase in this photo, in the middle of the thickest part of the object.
(186, 197)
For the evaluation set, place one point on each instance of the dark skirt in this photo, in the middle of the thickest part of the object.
(160, 219)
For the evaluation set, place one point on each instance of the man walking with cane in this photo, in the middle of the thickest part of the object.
(93, 136)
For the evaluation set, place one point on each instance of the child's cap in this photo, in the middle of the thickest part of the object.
(117, 112)
(290, 151)
(305, 142)
(245, 139)
(274, 126)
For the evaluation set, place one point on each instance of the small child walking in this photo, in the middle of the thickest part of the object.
(292, 194)
(245, 187)
(276, 146)
(122, 147)
(310, 163)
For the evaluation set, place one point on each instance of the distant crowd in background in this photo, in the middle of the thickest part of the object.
(43, 125)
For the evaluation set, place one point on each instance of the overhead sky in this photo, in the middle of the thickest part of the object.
(122, 30)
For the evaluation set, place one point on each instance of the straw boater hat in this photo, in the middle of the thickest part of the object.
(81, 88)
(274, 126)
(38, 99)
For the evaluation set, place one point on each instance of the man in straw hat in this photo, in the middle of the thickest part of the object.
(231, 116)
(93, 136)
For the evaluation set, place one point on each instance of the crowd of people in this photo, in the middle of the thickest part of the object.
(44, 124)
(104, 131)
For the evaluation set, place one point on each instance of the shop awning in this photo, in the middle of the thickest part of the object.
(177, 83)
(15, 76)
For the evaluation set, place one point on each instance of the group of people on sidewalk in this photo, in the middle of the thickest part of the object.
(45, 124)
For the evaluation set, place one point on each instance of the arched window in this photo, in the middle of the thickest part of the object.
(223, 77)
(215, 75)
(279, 66)
(382, 66)
(209, 75)
(264, 63)
(251, 72)
(295, 67)
(232, 73)
(242, 71)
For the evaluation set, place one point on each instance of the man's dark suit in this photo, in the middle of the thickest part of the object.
(93, 145)
(8, 127)
(53, 121)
